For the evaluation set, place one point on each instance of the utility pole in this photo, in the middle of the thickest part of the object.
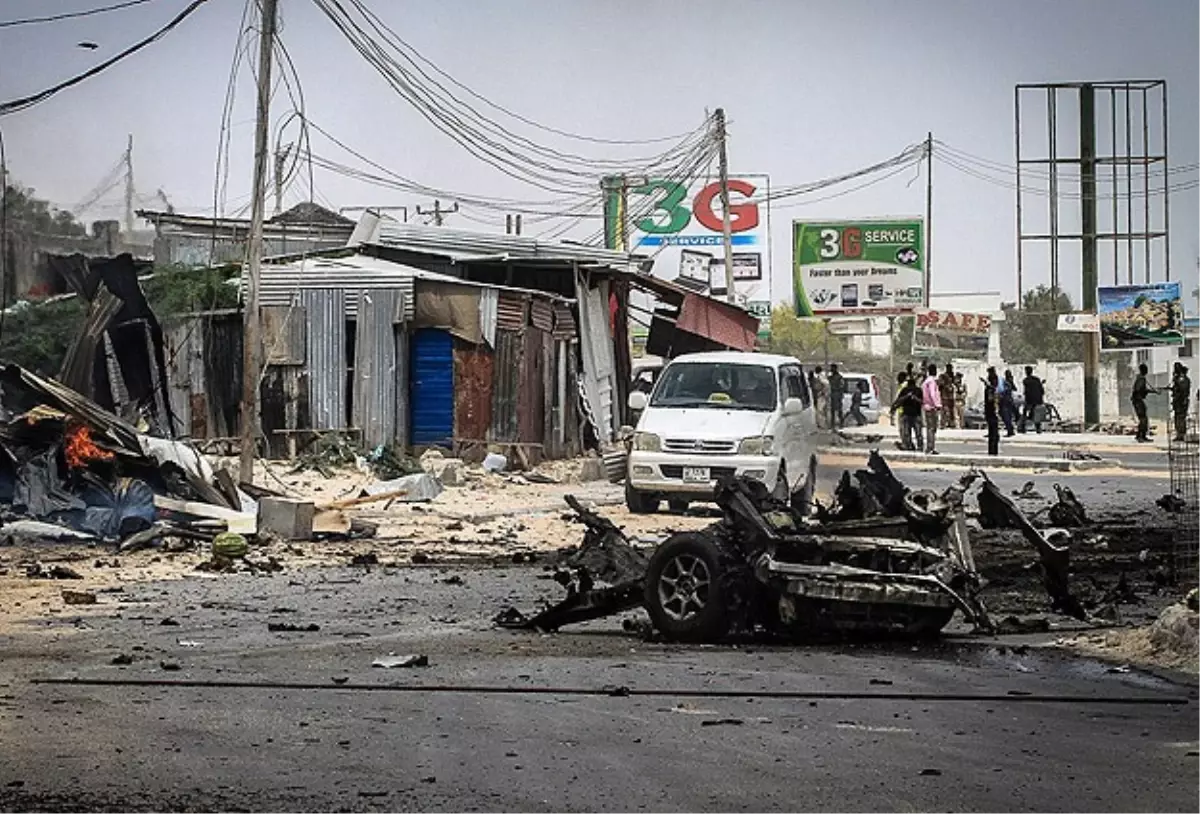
(280, 161)
(438, 213)
(928, 210)
(1090, 272)
(129, 191)
(251, 329)
(726, 227)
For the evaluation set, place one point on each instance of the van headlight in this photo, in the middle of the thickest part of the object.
(646, 442)
(757, 445)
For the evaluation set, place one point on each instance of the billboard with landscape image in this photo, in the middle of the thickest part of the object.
(1140, 316)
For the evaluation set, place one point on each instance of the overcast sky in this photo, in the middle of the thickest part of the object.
(812, 89)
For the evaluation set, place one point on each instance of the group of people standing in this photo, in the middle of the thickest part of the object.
(829, 396)
(1181, 395)
(1000, 404)
(926, 401)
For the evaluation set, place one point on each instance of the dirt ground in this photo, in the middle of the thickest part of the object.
(1116, 570)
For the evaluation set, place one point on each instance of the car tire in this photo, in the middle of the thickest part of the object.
(677, 505)
(639, 502)
(687, 588)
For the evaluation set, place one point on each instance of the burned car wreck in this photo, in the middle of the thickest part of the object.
(880, 560)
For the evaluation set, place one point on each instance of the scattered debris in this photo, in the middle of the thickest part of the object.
(289, 627)
(170, 666)
(367, 559)
(122, 660)
(1171, 503)
(411, 660)
(1068, 512)
(79, 597)
(722, 722)
(494, 462)
(420, 487)
(1013, 624)
(38, 571)
(169, 622)
(1027, 492)
(931, 773)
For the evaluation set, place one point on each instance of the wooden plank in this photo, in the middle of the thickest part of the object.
(239, 522)
(359, 501)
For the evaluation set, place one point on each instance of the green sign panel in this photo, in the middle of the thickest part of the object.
(872, 267)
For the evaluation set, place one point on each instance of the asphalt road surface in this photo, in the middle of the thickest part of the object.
(591, 719)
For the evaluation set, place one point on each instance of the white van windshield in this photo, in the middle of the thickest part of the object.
(716, 384)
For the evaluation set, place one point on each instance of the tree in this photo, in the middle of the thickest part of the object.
(1031, 332)
(806, 339)
(28, 213)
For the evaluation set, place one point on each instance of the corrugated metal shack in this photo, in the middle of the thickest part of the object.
(197, 240)
(395, 354)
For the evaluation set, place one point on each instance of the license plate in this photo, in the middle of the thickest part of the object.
(696, 474)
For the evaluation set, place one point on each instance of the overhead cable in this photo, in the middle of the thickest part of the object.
(29, 101)
(71, 14)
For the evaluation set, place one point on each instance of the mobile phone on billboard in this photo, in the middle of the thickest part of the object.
(850, 295)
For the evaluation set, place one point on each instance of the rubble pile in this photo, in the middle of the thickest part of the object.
(83, 473)
(881, 558)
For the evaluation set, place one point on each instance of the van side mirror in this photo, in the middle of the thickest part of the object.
(638, 400)
(793, 406)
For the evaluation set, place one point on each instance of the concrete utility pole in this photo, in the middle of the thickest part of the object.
(726, 228)
(251, 329)
(438, 213)
(1090, 272)
(928, 211)
(129, 191)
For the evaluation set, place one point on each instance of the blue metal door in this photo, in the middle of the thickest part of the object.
(432, 388)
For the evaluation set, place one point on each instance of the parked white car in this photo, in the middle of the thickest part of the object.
(870, 400)
(711, 415)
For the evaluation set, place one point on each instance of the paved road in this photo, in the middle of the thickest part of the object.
(470, 747)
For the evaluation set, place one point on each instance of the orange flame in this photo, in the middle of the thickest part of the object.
(79, 447)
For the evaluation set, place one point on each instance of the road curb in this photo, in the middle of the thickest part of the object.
(981, 461)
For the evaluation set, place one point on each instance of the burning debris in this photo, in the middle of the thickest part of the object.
(880, 559)
(66, 462)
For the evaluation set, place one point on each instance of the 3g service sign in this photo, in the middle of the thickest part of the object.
(858, 267)
(670, 216)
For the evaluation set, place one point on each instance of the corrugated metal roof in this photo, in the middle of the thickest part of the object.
(459, 245)
(279, 282)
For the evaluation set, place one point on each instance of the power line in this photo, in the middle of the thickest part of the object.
(523, 119)
(72, 14)
(41, 96)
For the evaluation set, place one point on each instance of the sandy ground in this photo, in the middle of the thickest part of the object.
(490, 517)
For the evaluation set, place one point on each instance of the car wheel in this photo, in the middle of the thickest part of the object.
(639, 502)
(686, 590)
(677, 505)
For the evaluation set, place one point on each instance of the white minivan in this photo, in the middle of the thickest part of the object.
(716, 414)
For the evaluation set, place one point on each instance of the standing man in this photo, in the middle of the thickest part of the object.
(856, 400)
(1181, 394)
(1140, 390)
(820, 393)
(946, 391)
(931, 406)
(837, 392)
(960, 398)
(1008, 402)
(1035, 398)
(908, 407)
(991, 410)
